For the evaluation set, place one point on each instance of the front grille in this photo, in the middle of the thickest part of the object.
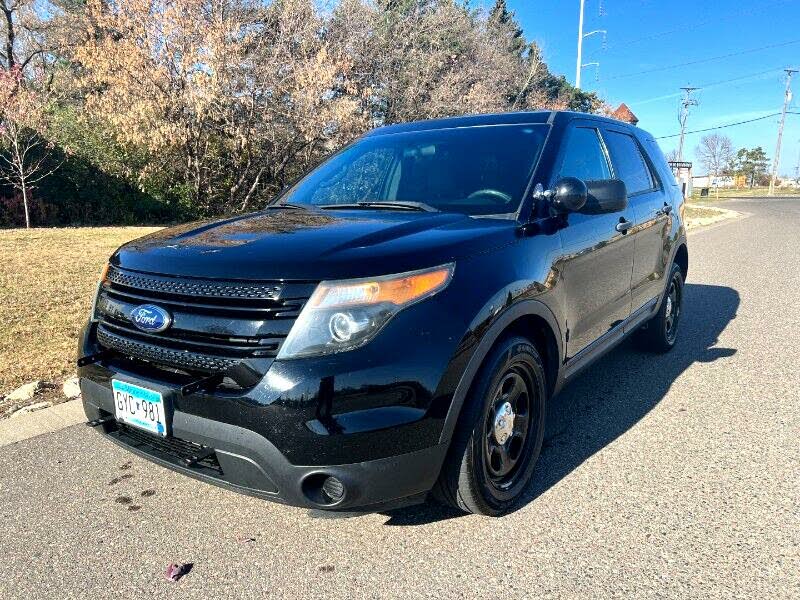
(165, 356)
(216, 324)
(196, 287)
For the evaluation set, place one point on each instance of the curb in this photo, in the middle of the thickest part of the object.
(740, 215)
(702, 223)
(48, 420)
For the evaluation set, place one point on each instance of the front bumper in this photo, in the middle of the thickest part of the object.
(246, 462)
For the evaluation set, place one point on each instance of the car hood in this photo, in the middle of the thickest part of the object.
(313, 244)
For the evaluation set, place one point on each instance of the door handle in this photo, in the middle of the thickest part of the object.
(623, 225)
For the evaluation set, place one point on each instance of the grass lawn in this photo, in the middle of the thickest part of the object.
(47, 279)
(756, 192)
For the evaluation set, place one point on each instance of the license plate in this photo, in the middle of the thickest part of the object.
(140, 407)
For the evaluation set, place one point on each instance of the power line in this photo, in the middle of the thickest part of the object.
(663, 137)
(696, 25)
(731, 80)
(704, 86)
(704, 60)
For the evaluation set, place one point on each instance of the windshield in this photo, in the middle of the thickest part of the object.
(472, 170)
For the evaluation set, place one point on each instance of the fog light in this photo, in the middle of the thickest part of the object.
(333, 489)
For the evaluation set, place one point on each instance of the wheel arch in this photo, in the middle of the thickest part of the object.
(539, 332)
(682, 259)
(529, 318)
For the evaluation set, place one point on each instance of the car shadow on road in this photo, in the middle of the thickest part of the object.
(612, 395)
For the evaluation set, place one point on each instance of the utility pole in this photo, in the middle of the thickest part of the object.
(686, 103)
(787, 97)
(596, 66)
(797, 166)
(579, 63)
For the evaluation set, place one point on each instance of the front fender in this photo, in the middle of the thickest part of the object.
(497, 326)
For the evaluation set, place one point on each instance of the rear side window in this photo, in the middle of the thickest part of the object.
(659, 162)
(629, 164)
(584, 157)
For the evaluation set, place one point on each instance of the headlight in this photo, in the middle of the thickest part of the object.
(342, 315)
(103, 277)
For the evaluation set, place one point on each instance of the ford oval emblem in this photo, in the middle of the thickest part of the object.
(150, 318)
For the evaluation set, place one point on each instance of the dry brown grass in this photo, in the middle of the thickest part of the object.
(756, 192)
(702, 216)
(699, 212)
(47, 278)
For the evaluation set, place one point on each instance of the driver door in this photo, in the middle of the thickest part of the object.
(598, 259)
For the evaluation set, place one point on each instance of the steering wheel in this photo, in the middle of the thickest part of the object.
(495, 196)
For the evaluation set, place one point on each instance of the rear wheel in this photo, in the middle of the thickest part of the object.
(661, 332)
(499, 434)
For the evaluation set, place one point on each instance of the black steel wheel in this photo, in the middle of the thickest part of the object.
(506, 427)
(500, 432)
(672, 310)
(661, 332)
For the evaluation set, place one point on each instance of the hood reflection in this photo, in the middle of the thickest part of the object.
(237, 231)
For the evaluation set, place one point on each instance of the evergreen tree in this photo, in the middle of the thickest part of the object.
(752, 163)
(504, 23)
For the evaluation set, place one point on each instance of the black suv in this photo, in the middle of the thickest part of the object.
(395, 322)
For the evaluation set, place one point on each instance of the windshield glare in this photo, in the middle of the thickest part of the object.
(472, 170)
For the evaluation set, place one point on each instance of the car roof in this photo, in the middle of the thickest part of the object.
(510, 118)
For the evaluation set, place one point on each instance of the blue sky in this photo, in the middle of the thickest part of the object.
(644, 35)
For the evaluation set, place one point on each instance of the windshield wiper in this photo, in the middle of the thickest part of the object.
(382, 205)
(287, 205)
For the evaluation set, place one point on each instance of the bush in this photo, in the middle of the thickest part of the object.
(12, 211)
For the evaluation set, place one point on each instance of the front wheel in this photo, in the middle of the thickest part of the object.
(661, 332)
(499, 434)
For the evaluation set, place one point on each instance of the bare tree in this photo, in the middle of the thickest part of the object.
(673, 156)
(9, 9)
(29, 30)
(25, 153)
(715, 153)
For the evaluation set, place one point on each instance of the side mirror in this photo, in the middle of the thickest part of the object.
(606, 196)
(569, 195)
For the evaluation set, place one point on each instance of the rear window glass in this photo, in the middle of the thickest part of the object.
(629, 164)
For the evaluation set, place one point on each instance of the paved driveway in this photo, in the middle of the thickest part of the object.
(667, 476)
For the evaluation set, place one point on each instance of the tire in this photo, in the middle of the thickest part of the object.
(486, 472)
(660, 333)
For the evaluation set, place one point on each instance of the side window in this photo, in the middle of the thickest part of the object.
(658, 163)
(629, 164)
(584, 157)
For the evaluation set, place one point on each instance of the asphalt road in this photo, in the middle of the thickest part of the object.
(668, 476)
